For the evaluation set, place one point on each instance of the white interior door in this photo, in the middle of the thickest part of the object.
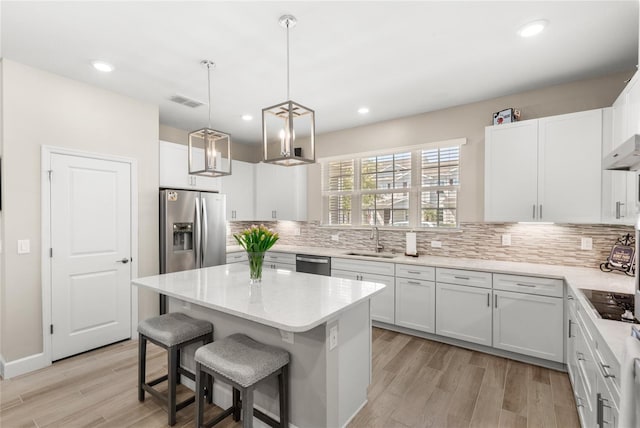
(91, 251)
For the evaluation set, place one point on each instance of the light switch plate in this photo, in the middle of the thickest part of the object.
(335, 237)
(506, 239)
(436, 244)
(24, 246)
(586, 244)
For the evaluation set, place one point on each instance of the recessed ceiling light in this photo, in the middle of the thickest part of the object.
(247, 117)
(532, 28)
(363, 110)
(105, 67)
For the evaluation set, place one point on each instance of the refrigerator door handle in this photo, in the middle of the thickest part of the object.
(197, 234)
(205, 232)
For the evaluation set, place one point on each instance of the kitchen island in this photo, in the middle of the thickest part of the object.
(297, 312)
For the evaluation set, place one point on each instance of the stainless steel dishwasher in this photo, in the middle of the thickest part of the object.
(319, 265)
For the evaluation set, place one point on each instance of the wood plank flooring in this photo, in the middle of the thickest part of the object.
(416, 383)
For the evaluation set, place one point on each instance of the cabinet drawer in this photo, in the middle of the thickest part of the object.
(281, 266)
(273, 256)
(240, 256)
(609, 367)
(363, 266)
(425, 273)
(528, 284)
(464, 277)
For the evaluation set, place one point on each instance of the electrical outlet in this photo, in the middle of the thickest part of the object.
(335, 237)
(287, 336)
(297, 231)
(436, 244)
(333, 337)
(506, 239)
(586, 244)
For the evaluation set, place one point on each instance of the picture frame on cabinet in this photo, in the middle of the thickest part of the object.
(506, 116)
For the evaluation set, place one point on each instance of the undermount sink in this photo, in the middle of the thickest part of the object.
(371, 254)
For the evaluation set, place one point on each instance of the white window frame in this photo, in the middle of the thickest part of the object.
(415, 190)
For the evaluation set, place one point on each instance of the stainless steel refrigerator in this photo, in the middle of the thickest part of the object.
(193, 231)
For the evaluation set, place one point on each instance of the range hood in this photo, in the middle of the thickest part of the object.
(625, 157)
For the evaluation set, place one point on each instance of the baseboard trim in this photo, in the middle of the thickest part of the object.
(10, 369)
(475, 347)
(355, 413)
(2, 367)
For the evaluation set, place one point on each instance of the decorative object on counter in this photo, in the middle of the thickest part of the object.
(216, 145)
(412, 249)
(506, 116)
(256, 241)
(622, 257)
(288, 123)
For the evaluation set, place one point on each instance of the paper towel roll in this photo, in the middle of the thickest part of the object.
(411, 244)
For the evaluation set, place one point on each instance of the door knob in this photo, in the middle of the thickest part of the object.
(125, 261)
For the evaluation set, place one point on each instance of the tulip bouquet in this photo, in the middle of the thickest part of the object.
(256, 240)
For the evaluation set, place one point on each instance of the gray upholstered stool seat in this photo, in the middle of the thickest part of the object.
(172, 332)
(174, 328)
(243, 363)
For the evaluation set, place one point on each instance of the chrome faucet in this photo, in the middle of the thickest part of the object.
(376, 233)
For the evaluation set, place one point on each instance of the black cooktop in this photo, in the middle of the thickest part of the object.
(612, 306)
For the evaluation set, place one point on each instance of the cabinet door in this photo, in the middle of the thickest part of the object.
(383, 304)
(416, 304)
(570, 168)
(528, 324)
(619, 122)
(281, 192)
(174, 166)
(239, 190)
(464, 313)
(606, 408)
(632, 116)
(511, 171)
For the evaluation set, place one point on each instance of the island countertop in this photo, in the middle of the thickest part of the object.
(289, 301)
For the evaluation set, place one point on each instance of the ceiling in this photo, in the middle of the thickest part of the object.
(397, 58)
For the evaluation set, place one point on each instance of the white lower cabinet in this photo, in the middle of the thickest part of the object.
(416, 304)
(528, 324)
(277, 260)
(606, 408)
(464, 313)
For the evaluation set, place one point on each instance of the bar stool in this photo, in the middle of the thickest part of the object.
(242, 362)
(172, 332)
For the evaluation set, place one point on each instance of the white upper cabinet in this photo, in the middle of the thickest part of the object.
(281, 192)
(626, 113)
(174, 169)
(239, 190)
(545, 169)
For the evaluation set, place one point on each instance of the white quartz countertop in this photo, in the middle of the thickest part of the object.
(285, 300)
(613, 332)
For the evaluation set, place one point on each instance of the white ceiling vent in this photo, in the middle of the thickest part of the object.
(186, 101)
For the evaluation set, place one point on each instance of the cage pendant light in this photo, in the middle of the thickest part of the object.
(288, 128)
(209, 150)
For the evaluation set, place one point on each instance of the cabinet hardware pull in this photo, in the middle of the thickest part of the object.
(569, 297)
(579, 402)
(123, 261)
(540, 216)
(488, 300)
(495, 300)
(618, 203)
(525, 285)
(466, 278)
(415, 272)
(599, 411)
(570, 322)
(580, 356)
(605, 370)
(533, 216)
(414, 282)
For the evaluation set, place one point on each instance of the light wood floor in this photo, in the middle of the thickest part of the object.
(416, 383)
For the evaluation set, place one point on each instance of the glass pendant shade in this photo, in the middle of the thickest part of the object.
(288, 134)
(209, 153)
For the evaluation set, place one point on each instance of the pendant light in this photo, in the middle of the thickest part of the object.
(288, 128)
(209, 150)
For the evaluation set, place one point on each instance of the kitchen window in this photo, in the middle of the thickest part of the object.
(412, 187)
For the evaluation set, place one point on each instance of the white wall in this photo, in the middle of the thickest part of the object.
(462, 121)
(43, 108)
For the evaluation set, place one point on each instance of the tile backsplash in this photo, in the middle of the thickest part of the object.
(557, 244)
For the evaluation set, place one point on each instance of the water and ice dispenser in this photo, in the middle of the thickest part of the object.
(182, 237)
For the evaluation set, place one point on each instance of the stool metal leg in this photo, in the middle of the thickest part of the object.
(200, 380)
(247, 407)
(142, 365)
(283, 384)
(172, 353)
(207, 340)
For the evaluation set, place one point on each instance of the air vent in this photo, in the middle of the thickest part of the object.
(186, 101)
